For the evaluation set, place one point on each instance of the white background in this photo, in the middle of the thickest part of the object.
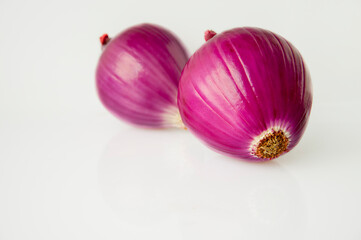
(70, 170)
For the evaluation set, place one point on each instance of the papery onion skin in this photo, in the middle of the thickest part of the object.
(243, 88)
(138, 73)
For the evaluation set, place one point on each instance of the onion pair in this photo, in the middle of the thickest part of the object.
(246, 92)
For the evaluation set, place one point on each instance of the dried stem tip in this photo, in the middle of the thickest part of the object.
(209, 34)
(104, 39)
(272, 145)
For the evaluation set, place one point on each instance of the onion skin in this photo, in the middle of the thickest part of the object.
(242, 87)
(138, 73)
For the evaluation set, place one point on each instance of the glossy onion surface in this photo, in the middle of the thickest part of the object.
(138, 73)
(247, 93)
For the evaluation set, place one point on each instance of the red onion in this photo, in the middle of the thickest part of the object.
(247, 93)
(138, 73)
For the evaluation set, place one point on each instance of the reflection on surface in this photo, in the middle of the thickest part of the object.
(167, 180)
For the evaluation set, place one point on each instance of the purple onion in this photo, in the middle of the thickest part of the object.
(138, 73)
(247, 93)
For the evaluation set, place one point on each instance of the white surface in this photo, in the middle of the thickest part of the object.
(70, 170)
